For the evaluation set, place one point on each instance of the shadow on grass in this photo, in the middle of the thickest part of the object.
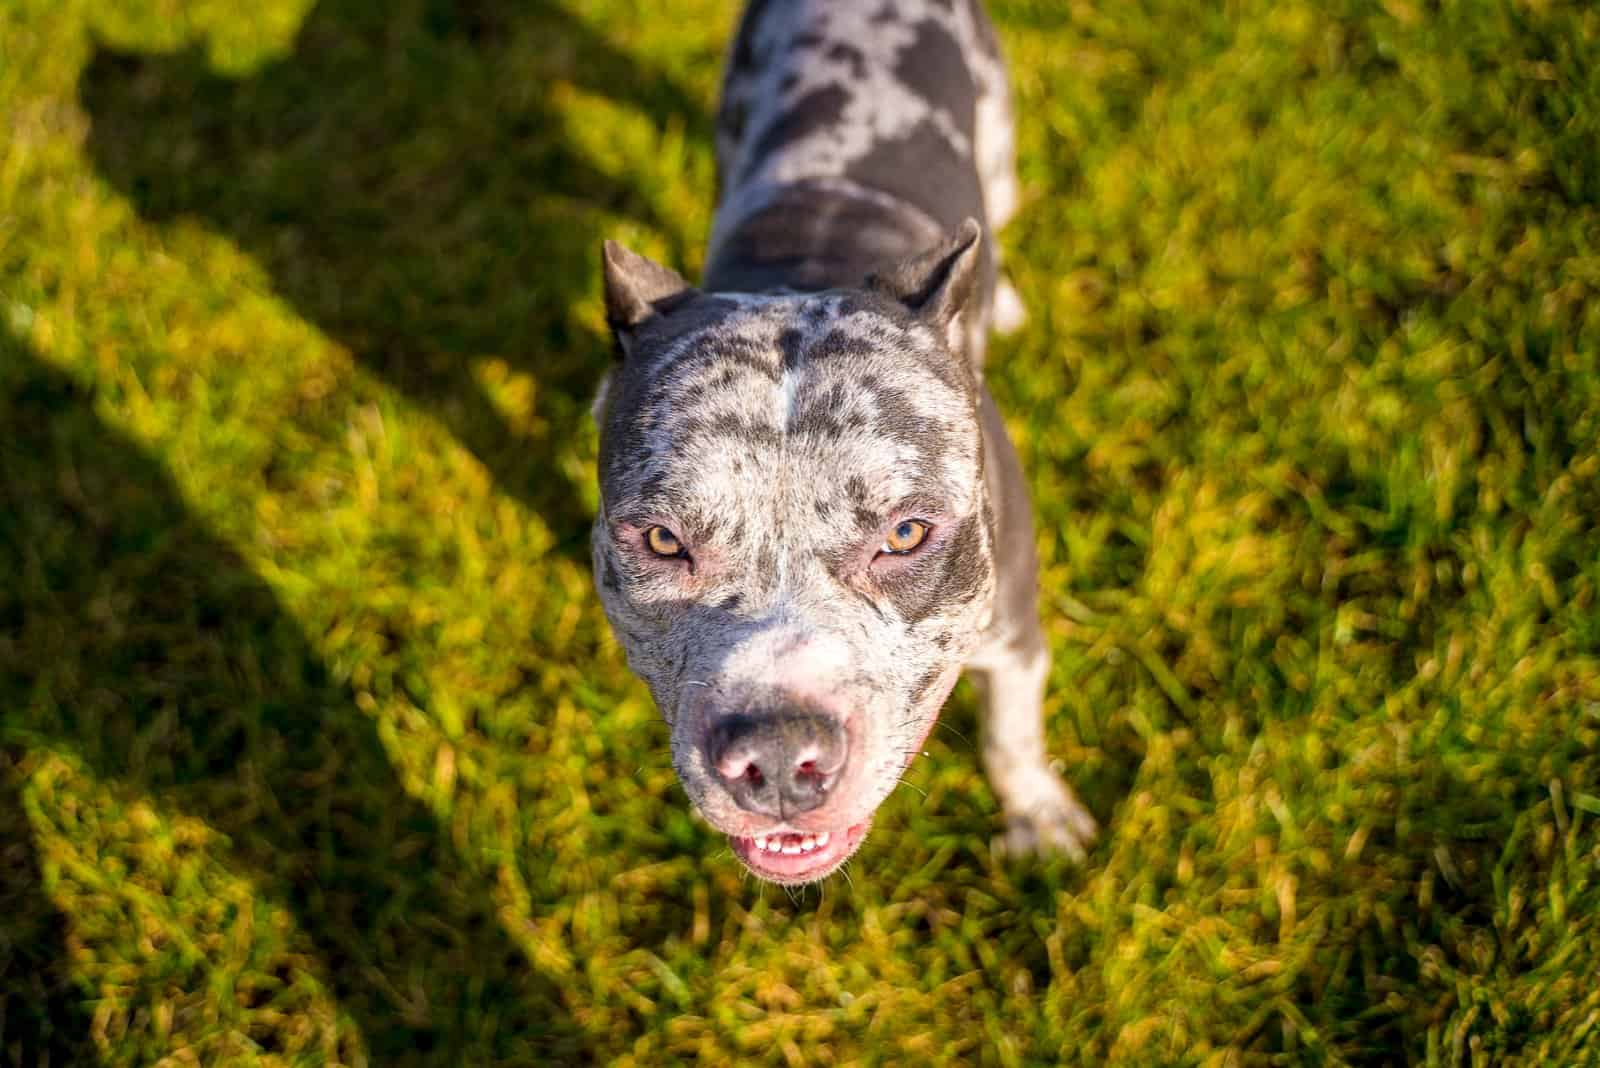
(406, 180)
(135, 640)
(42, 1018)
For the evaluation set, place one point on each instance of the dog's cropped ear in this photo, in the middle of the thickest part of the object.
(638, 290)
(937, 285)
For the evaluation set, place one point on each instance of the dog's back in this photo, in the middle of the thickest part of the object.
(856, 132)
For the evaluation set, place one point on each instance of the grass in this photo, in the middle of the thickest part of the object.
(314, 747)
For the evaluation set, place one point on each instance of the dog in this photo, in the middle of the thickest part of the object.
(811, 519)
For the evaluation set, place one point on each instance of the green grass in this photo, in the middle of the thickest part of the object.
(314, 747)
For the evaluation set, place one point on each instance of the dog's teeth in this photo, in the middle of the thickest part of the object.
(822, 839)
(791, 849)
(761, 841)
(807, 844)
(774, 846)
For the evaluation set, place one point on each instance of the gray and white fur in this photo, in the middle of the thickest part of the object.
(772, 442)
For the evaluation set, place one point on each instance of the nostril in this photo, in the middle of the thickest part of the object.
(812, 777)
(818, 764)
(740, 769)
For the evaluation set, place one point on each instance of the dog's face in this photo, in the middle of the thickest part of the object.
(793, 543)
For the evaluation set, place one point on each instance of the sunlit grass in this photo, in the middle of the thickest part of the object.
(314, 747)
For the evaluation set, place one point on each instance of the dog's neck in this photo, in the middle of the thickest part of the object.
(816, 234)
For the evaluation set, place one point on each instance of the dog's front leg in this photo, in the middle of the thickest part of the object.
(1042, 813)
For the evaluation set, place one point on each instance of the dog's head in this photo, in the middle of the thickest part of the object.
(794, 539)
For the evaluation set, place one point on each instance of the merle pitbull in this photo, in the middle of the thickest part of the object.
(811, 517)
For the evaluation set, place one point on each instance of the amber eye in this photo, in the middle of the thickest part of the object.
(663, 542)
(905, 537)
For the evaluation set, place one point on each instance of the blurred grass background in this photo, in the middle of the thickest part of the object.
(314, 747)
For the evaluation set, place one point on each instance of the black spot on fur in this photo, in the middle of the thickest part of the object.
(966, 570)
(816, 422)
(817, 110)
(954, 577)
(730, 425)
(924, 683)
(935, 68)
(896, 418)
(730, 354)
(823, 416)
(847, 53)
(837, 342)
(923, 168)
(791, 343)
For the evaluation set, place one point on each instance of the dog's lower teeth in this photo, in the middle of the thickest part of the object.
(790, 844)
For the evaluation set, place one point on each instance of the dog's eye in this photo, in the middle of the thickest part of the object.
(905, 537)
(664, 542)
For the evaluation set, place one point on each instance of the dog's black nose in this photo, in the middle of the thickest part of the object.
(777, 764)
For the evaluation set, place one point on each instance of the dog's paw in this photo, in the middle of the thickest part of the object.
(1049, 819)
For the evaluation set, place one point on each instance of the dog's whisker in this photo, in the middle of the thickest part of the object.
(914, 786)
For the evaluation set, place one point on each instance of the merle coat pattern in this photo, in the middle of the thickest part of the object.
(772, 442)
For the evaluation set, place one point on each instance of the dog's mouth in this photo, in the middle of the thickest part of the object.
(798, 858)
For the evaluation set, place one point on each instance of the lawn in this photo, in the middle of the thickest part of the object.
(315, 748)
